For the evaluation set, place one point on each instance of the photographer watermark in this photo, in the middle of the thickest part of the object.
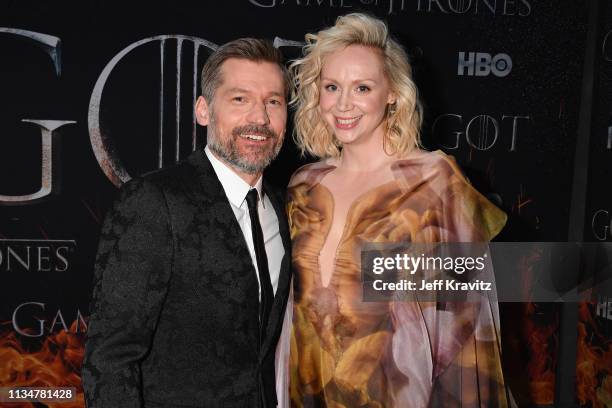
(501, 271)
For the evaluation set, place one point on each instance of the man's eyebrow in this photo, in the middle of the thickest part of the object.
(243, 90)
(277, 94)
(238, 90)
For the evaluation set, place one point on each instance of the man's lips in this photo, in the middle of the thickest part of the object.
(254, 134)
(254, 138)
(347, 122)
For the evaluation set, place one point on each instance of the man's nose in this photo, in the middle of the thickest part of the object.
(259, 115)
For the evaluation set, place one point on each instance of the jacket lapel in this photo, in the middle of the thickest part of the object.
(218, 216)
(208, 192)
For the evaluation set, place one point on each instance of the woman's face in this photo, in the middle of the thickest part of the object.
(354, 92)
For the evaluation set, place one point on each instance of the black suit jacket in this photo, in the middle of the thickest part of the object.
(174, 318)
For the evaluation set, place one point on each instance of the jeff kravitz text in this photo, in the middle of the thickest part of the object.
(435, 273)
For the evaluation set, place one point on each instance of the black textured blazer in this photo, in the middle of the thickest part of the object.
(174, 317)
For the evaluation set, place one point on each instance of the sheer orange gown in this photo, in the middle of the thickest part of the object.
(349, 353)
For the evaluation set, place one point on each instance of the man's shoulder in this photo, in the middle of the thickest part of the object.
(169, 175)
(160, 182)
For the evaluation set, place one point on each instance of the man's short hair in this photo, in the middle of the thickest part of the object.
(251, 49)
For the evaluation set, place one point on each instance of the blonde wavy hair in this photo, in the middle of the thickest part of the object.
(403, 118)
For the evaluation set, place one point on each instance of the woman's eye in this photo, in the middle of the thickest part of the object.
(363, 88)
(331, 87)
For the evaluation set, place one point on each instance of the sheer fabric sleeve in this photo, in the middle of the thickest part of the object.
(450, 351)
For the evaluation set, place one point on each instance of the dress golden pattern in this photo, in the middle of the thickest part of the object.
(349, 353)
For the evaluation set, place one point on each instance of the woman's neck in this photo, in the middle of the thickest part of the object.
(365, 157)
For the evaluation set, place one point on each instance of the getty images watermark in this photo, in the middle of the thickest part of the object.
(427, 271)
(501, 271)
(429, 265)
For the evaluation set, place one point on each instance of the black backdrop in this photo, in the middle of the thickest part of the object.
(501, 82)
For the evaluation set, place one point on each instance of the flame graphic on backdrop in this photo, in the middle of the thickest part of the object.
(55, 362)
(542, 340)
(530, 341)
(594, 368)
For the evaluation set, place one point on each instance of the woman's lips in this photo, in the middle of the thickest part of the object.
(347, 123)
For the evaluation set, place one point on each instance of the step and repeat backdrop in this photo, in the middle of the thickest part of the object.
(95, 92)
(594, 347)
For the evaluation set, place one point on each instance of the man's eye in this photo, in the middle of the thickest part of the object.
(274, 102)
(363, 88)
(238, 99)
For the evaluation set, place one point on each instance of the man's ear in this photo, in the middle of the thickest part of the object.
(202, 111)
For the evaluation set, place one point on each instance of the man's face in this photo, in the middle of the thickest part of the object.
(247, 117)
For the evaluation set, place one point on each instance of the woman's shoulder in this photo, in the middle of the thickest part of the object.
(428, 163)
(311, 173)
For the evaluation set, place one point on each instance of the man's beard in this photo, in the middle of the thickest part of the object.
(226, 148)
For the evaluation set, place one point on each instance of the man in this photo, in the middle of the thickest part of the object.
(192, 273)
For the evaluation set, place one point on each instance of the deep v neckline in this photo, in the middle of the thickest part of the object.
(351, 208)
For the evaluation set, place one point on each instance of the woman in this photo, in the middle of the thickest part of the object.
(357, 110)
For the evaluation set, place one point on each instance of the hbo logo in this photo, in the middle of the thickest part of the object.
(483, 64)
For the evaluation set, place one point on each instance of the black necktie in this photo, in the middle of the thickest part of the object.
(267, 293)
